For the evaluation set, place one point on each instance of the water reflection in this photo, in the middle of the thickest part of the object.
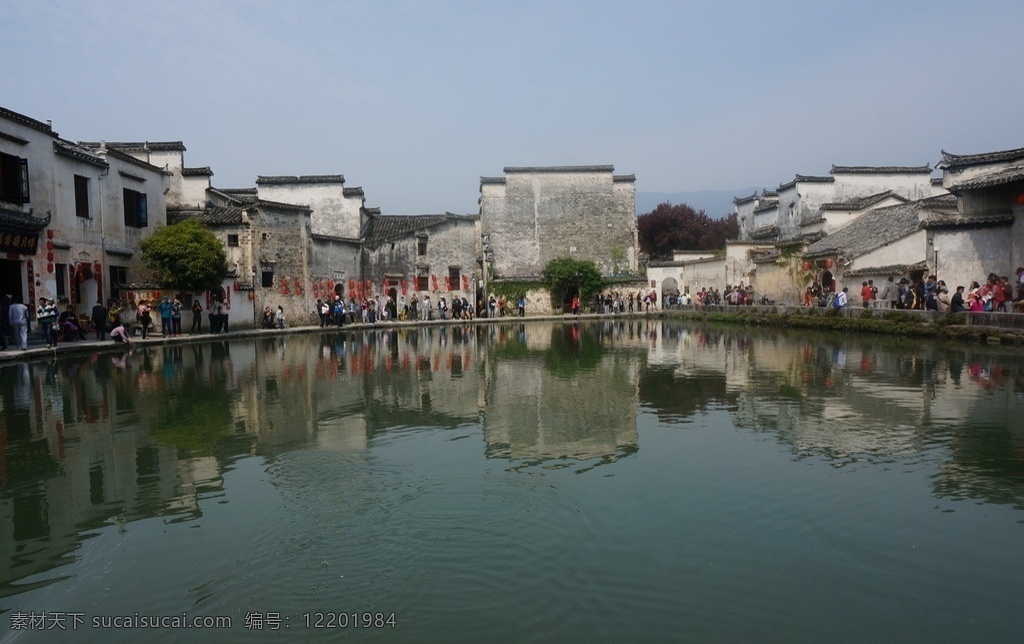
(107, 440)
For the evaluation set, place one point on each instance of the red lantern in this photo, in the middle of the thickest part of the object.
(97, 268)
(351, 285)
(49, 244)
(49, 267)
(49, 257)
(298, 284)
(49, 234)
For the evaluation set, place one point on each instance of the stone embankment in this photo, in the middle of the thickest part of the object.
(983, 327)
(1007, 328)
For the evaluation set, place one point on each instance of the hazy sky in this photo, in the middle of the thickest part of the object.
(415, 101)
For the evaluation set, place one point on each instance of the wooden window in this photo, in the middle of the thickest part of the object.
(118, 276)
(232, 240)
(422, 283)
(82, 196)
(453, 278)
(267, 279)
(136, 213)
(421, 245)
(13, 179)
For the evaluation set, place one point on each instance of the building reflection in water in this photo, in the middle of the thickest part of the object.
(112, 438)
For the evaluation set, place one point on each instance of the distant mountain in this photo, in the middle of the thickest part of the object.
(716, 203)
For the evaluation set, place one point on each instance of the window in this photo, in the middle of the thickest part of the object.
(421, 245)
(118, 276)
(82, 196)
(13, 179)
(422, 282)
(453, 278)
(267, 279)
(62, 280)
(136, 214)
(232, 240)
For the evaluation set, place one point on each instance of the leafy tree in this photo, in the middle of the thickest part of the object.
(564, 274)
(186, 255)
(680, 227)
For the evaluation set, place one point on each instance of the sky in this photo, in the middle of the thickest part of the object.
(415, 101)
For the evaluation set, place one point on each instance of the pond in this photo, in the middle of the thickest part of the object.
(616, 480)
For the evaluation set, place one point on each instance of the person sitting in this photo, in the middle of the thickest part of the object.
(69, 326)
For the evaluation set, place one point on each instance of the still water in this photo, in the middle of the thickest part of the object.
(621, 480)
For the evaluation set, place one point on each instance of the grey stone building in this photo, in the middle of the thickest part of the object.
(535, 214)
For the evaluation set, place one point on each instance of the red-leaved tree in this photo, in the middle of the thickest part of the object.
(680, 227)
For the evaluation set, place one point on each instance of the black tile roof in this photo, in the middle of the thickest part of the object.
(21, 119)
(988, 219)
(354, 191)
(883, 169)
(879, 227)
(558, 168)
(383, 228)
(152, 146)
(955, 162)
(18, 220)
(68, 149)
(739, 200)
(303, 179)
(197, 172)
(860, 203)
(216, 216)
(805, 178)
(765, 232)
(891, 269)
(623, 178)
(1002, 177)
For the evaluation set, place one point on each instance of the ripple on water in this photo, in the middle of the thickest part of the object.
(354, 531)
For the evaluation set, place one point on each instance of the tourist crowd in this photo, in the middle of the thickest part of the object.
(998, 294)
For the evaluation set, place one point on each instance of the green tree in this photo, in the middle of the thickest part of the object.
(185, 255)
(565, 275)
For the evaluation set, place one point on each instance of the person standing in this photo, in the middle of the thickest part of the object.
(176, 317)
(17, 317)
(5, 302)
(197, 317)
(46, 315)
(224, 310)
(321, 310)
(279, 316)
(143, 316)
(165, 307)
(99, 319)
(5, 323)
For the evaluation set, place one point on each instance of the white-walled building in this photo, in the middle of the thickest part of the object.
(72, 216)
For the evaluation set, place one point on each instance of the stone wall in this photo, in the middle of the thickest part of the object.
(535, 215)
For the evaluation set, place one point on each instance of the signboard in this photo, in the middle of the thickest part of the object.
(18, 241)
